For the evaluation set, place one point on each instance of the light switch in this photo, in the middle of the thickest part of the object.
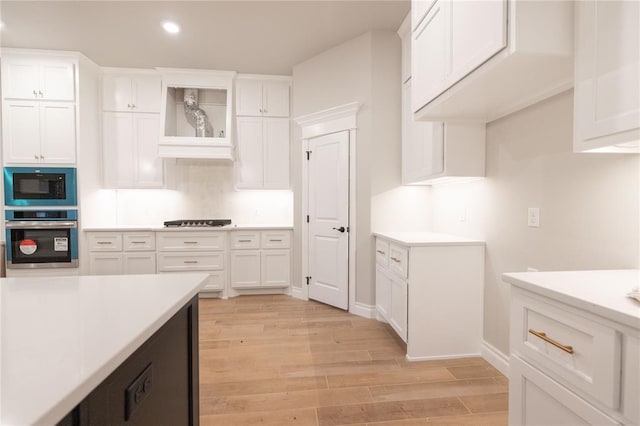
(533, 217)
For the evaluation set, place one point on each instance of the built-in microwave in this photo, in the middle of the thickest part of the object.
(40, 186)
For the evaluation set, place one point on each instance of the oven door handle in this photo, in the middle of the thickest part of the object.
(41, 224)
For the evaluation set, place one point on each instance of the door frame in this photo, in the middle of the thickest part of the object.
(332, 120)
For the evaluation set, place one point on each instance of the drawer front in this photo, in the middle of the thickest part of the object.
(105, 241)
(139, 241)
(276, 239)
(578, 350)
(174, 262)
(244, 240)
(190, 241)
(382, 252)
(398, 259)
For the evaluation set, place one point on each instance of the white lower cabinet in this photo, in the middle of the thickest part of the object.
(260, 259)
(116, 253)
(201, 251)
(429, 288)
(569, 366)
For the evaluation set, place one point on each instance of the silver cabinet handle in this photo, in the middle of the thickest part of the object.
(133, 105)
(42, 157)
(138, 242)
(104, 242)
(380, 251)
(36, 157)
(244, 241)
(276, 241)
(40, 93)
(260, 109)
(395, 259)
(190, 261)
(35, 93)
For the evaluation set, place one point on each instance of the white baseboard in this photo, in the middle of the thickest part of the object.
(495, 357)
(438, 357)
(297, 293)
(366, 311)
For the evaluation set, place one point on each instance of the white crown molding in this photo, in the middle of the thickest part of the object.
(336, 119)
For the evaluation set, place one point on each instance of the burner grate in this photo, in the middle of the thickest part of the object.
(197, 223)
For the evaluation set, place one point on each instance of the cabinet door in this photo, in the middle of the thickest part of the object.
(118, 149)
(422, 144)
(398, 315)
(146, 94)
(536, 399)
(249, 97)
(57, 82)
(105, 264)
(245, 269)
(276, 153)
(57, 133)
(21, 131)
(383, 293)
(405, 41)
(276, 268)
(149, 167)
(215, 282)
(275, 99)
(430, 58)
(607, 79)
(139, 263)
(20, 79)
(116, 93)
(478, 31)
(249, 159)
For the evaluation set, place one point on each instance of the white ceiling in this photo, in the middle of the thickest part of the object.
(262, 37)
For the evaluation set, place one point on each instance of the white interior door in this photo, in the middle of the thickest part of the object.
(329, 219)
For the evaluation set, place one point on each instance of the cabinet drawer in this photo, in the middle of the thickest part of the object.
(554, 404)
(139, 241)
(578, 350)
(105, 241)
(382, 252)
(244, 240)
(276, 239)
(169, 262)
(190, 241)
(398, 259)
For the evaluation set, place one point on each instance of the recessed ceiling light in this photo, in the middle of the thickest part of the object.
(171, 27)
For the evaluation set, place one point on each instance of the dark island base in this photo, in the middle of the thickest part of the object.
(157, 385)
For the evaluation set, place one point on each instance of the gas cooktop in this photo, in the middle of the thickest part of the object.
(197, 223)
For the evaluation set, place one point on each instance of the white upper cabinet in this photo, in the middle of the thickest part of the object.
(131, 93)
(480, 60)
(38, 78)
(129, 134)
(607, 77)
(261, 96)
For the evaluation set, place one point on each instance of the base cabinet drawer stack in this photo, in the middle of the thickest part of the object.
(116, 253)
(260, 259)
(430, 290)
(184, 251)
(569, 366)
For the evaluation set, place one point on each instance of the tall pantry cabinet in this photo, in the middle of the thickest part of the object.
(263, 125)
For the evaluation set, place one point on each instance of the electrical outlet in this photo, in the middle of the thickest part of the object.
(533, 217)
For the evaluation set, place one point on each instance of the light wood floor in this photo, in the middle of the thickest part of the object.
(276, 360)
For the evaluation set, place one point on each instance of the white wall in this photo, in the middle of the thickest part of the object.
(589, 205)
(365, 69)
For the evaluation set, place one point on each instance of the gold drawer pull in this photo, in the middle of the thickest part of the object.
(543, 336)
(395, 259)
(190, 261)
(380, 251)
(244, 241)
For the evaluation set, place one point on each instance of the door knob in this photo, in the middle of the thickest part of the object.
(341, 229)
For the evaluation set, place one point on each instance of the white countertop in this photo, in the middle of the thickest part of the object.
(417, 239)
(62, 336)
(185, 228)
(602, 292)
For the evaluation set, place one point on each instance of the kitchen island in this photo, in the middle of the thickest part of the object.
(99, 349)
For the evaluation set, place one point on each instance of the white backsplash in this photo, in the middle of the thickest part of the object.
(196, 189)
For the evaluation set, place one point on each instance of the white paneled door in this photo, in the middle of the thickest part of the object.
(329, 219)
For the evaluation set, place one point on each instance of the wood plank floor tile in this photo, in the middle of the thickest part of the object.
(396, 410)
(486, 403)
(276, 360)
